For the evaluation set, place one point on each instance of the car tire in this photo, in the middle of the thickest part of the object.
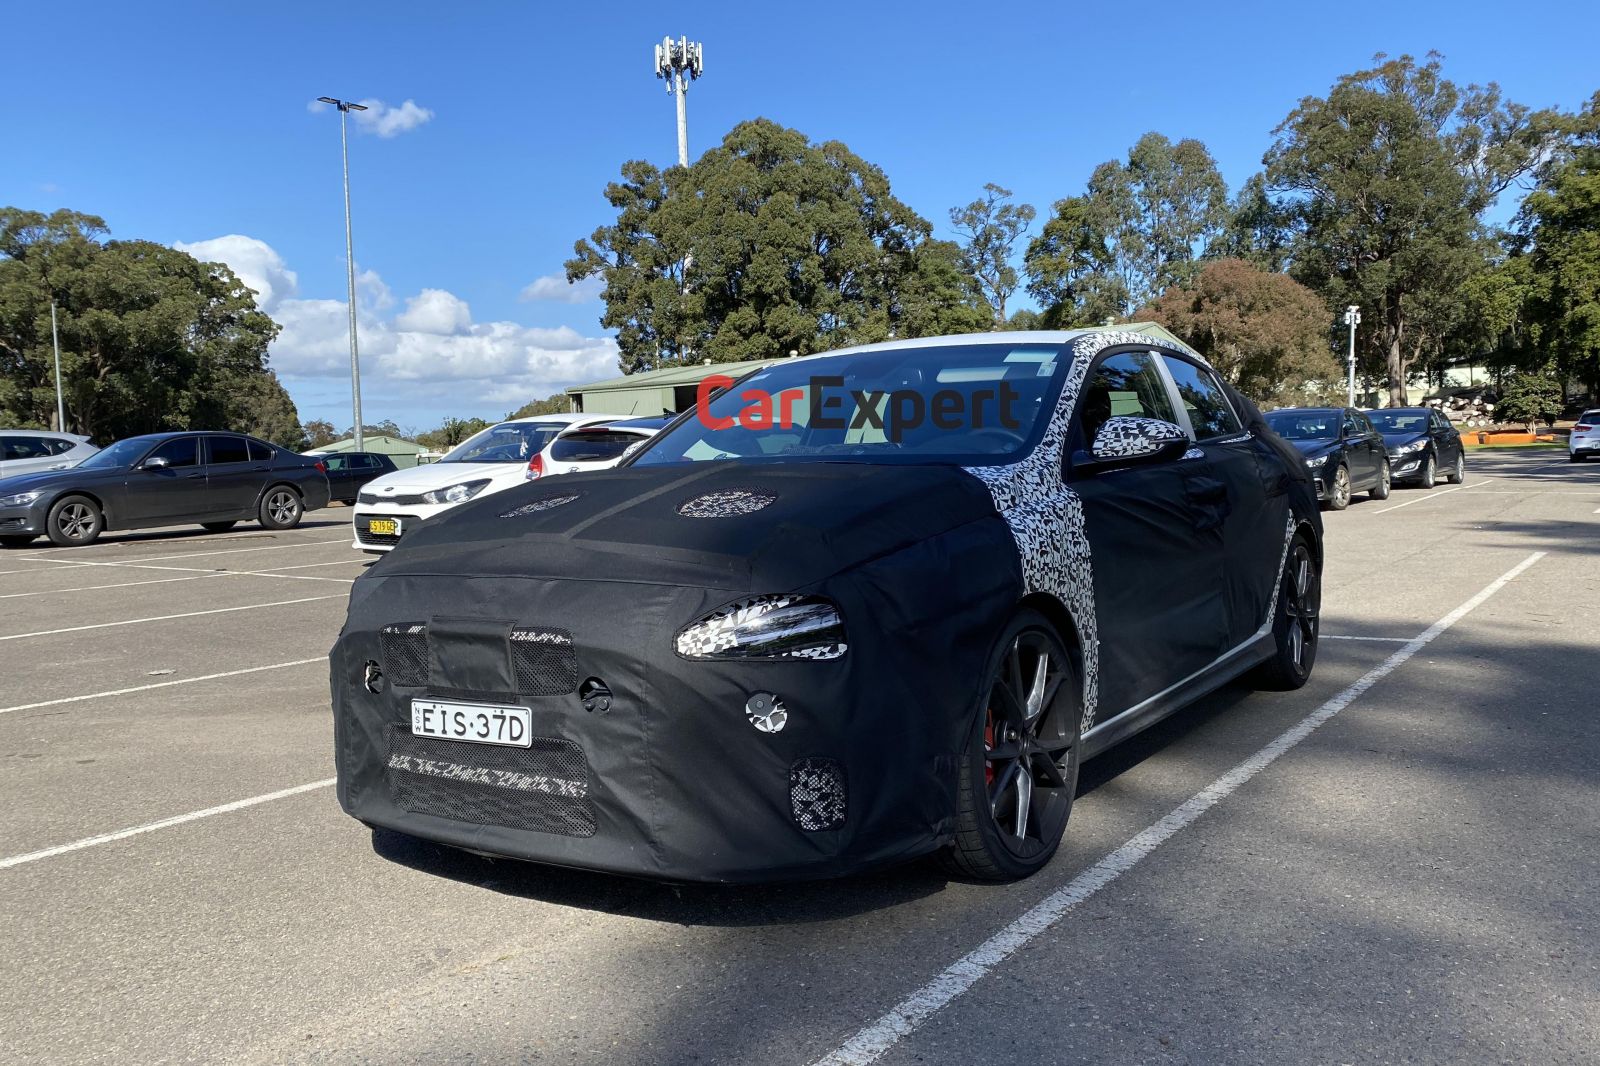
(1019, 768)
(16, 540)
(281, 508)
(1430, 473)
(1339, 495)
(1296, 622)
(217, 527)
(1380, 491)
(74, 521)
(1458, 472)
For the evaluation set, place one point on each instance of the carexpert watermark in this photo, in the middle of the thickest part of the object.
(827, 405)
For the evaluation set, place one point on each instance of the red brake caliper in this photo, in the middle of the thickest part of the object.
(988, 745)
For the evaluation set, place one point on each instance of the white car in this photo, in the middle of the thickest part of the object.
(1585, 438)
(28, 451)
(490, 461)
(594, 447)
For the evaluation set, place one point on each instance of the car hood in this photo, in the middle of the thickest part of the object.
(1315, 449)
(51, 479)
(1391, 441)
(735, 525)
(438, 475)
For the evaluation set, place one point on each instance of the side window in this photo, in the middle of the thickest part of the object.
(184, 451)
(1202, 396)
(362, 462)
(59, 445)
(1352, 424)
(259, 452)
(222, 450)
(26, 448)
(1124, 384)
(335, 462)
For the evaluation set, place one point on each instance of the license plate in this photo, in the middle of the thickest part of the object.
(384, 527)
(475, 723)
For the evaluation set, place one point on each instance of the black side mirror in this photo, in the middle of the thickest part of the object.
(1124, 441)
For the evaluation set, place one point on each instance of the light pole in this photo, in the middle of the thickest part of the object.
(61, 404)
(674, 59)
(345, 107)
(1352, 318)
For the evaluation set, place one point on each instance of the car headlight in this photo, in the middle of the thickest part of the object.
(20, 499)
(461, 493)
(1407, 449)
(1318, 461)
(767, 627)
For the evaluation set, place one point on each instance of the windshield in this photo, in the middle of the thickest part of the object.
(509, 442)
(1305, 425)
(1399, 421)
(965, 404)
(122, 453)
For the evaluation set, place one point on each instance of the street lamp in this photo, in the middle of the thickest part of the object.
(1352, 318)
(345, 107)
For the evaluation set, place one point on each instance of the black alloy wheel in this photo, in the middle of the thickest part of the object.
(73, 521)
(1380, 491)
(281, 508)
(1339, 495)
(1295, 623)
(1019, 775)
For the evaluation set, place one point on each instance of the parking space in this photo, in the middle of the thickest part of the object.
(1407, 877)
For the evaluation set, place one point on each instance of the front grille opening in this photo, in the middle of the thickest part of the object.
(543, 659)
(405, 653)
(542, 789)
(817, 794)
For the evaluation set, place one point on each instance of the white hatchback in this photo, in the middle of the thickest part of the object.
(28, 451)
(594, 447)
(487, 462)
(1585, 438)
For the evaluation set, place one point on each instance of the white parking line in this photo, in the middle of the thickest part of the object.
(119, 585)
(158, 684)
(1385, 640)
(169, 617)
(1430, 496)
(872, 1041)
(165, 823)
(165, 558)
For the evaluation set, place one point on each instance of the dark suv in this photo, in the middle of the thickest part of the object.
(163, 479)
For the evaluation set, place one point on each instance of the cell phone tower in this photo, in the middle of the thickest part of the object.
(680, 62)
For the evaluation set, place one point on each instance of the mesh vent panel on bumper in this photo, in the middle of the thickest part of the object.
(544, 789)
(542, 658)
(817, 794)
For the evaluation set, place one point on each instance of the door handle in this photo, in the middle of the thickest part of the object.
(193, 477)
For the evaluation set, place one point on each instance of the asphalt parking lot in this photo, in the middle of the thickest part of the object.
(1396, 864)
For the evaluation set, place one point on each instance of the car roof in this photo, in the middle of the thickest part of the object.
(1308, 410)
(653, 422)
(42, 433)
(548, 418)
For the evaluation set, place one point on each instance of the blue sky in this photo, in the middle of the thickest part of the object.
(188, 124)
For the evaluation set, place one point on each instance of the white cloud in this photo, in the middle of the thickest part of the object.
(555, 287)
(388, 121)
(255, 262)
(435, 311)
(428, 361)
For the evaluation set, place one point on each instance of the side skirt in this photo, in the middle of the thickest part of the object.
(1207, 679)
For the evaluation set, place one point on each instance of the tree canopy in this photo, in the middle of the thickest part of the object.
(151, 338)
(990, 227)
(1384, 183)
(1139, 229)
(768, 244)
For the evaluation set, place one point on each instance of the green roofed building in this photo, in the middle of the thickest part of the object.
(670, 389)
(403, 452)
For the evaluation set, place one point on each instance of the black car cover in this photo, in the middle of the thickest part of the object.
(567, 596)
